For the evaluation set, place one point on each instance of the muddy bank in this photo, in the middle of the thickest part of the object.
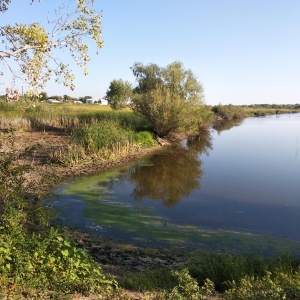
(42, 173)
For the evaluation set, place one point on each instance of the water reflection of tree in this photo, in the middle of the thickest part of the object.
(171, 175)
(226, 125)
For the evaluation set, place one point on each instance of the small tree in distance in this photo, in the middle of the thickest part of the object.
(43, 96)
(118, 94)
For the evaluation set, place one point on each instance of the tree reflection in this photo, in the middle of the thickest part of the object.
(226, 125)
(171, 175)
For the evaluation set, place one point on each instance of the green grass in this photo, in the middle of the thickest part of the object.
(97, 132)
(252, 111)
(234, 276)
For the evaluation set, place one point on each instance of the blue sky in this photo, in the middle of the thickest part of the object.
(242, 51)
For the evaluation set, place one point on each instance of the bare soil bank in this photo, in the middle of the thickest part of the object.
(45, 175)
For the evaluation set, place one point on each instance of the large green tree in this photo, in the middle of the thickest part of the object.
(171, 98)
(36, 48)
(118, 93)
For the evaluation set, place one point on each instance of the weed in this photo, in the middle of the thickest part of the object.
(34, 257)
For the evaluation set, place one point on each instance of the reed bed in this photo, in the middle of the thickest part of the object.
(109, 138)
(94, 132)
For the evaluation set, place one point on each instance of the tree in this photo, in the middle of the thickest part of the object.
(171, 98)
(228, 112)
(58, 98)
(35, 47)
(67, 98)
(4, 5)
(118, 94)
(83, 99)
(43, 96)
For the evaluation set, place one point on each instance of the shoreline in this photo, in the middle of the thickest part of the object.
(45, 176)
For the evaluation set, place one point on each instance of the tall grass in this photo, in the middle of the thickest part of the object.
(230, 274)
(95, 131)
(32, 116)
(109, 138)
(103, 138)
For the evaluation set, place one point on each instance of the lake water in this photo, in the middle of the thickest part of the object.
(238, 187)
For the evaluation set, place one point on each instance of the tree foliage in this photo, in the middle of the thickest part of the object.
(118, 93)
(35, 47)
(171, 98)
(43, 96)
(84, 98)
(228, 112)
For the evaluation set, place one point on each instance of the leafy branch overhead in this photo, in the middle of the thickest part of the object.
(35, 48)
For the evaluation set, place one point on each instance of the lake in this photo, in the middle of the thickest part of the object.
(235, 188)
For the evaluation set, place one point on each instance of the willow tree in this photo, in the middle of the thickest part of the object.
(171, 98)
(32, 51)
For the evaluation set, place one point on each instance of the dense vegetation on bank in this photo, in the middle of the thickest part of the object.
(39, 261)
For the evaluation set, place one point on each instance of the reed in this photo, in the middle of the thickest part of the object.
(105, 139)
(68, 155)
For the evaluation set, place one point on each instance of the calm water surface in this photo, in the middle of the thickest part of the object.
(240, 179)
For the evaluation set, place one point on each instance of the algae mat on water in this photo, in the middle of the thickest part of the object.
(100, 210)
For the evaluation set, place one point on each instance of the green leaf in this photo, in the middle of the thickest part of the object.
(65, 252)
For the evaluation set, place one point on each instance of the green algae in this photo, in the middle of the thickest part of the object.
(141, 224)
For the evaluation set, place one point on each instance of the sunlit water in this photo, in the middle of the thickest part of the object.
(244, 179)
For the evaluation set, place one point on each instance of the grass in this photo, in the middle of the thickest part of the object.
(252, 111)
(96, 131)
(231, 275)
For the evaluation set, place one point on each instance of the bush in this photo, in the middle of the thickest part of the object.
(34, 257)
(188, 288)
(228, 112)
(144, 138)
(277, 286)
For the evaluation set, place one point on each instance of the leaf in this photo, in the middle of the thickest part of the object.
(65, 252)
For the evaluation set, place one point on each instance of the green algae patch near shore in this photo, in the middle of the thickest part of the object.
(130, 222)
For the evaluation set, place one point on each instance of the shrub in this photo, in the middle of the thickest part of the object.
(228, 112)
(188, 288)
(34, 257)
(280, 285)
(144, 138)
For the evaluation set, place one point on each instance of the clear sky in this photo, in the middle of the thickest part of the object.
(242, 51)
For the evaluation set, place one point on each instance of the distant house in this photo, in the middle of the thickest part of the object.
(103, 102)
(53, 101)
(90, 101)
